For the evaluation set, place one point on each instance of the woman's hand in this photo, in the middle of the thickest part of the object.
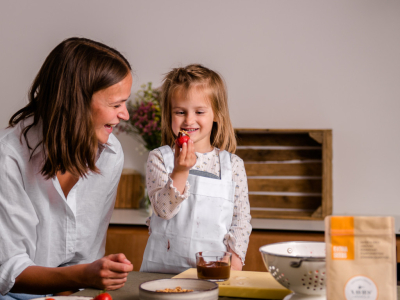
(185, 159)
(109, 272)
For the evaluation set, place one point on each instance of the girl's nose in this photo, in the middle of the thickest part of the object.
(124, 114)
(189, 119)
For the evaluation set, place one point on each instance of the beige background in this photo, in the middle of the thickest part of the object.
(287, 64)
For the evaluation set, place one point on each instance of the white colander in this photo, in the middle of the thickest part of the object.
(298, 266)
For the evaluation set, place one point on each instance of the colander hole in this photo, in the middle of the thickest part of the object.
(277, 269)
(316, 271)
(322, 279)
(323, 273)
(316, 276)
(305, 275)
(320, 288)
(310, 272)
(304, 284)
(283, 274)
(302, 279)
(308, 288)
(286, 279)
(314, 289)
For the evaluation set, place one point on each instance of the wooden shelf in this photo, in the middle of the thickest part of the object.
(289, 172)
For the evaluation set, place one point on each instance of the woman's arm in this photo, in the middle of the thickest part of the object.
(107, 273)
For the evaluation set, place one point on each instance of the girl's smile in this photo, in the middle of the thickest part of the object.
(192, 112)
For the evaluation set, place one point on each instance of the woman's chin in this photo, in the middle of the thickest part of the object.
(103, 138)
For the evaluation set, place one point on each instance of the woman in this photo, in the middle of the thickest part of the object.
(60, 171)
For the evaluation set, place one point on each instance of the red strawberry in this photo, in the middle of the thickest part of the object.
(183, 137)
(103, 296)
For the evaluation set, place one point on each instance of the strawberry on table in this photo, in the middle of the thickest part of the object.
(103, 296)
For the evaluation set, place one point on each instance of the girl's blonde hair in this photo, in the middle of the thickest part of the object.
(182, 80)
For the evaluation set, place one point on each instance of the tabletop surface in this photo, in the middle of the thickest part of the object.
(130, 291)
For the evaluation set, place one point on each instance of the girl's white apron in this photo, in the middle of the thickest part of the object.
(201, 224)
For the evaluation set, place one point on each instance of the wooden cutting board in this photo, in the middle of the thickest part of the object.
(246, 284)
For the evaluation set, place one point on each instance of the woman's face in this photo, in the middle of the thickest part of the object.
(109, 107)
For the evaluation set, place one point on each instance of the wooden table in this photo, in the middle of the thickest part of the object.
(130, 291)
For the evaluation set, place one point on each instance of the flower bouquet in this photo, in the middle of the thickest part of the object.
(144, 122)
(144, 117)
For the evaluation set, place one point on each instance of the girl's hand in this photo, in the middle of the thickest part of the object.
(185, 159)
(236, 263)
(109, 272)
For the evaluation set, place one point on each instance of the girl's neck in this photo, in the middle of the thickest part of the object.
(203, 149)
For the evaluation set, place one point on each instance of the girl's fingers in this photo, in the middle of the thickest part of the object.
(183, 152)
(190, 147)
(177, 150)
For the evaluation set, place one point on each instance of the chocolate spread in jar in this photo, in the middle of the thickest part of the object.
(213, 270)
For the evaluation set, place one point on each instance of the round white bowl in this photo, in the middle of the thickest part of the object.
(203, 290)
(298, 266)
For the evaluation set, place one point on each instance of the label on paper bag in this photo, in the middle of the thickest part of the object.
(360, 287)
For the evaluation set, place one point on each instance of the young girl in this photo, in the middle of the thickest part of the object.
(198, 193)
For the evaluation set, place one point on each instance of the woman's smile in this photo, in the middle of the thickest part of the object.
(109, 107)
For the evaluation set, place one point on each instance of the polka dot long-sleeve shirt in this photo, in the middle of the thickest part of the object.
(165, 198)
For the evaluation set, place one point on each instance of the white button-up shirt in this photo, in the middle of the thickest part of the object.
(38, 225)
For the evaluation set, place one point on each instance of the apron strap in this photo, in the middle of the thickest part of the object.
(226, 165)
(169, 158)
(203, 174)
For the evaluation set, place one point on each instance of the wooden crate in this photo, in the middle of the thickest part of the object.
(130, 190)
(289, 172)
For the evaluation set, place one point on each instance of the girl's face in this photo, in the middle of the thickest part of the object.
(193, 113)
(109, 107)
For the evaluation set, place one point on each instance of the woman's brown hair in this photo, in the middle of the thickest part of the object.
(196, 76)
(60, 101)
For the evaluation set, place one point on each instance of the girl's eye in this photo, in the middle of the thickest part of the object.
(179, 112)
(200, 112)
(117, 106)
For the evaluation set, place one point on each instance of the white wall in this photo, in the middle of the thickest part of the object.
(287, 64)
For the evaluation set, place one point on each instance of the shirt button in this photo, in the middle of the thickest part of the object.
(71, 250)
